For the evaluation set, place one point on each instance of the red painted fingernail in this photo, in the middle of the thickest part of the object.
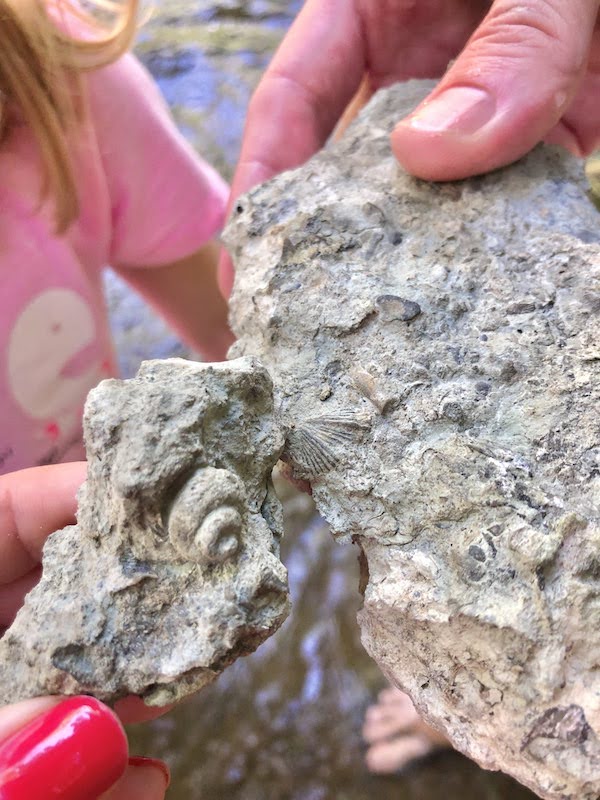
(141, 761)
(75, 751)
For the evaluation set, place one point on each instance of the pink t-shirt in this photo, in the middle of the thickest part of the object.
(146, 199)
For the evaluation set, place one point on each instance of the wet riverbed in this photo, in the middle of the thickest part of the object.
(285, 722)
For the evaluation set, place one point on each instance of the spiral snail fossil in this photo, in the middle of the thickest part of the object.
(206, 519)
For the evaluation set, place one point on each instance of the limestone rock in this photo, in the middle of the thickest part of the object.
(436, 353)
(172, 570)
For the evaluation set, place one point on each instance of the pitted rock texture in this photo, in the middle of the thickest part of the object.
(172, 570)
(438, 347)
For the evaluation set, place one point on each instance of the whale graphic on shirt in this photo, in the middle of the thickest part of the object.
(53, 358)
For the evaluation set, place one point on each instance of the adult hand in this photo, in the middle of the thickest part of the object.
(523, 72)
(50, 747)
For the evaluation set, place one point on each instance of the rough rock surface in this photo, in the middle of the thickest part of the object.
(436, 349)
(172, 570)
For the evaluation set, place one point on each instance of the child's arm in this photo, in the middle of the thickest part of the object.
(167, 206)
(186, 294)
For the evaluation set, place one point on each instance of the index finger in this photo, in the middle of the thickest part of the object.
(33, 504)
(312, 78)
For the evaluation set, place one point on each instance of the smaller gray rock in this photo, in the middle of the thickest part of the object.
(173, 569)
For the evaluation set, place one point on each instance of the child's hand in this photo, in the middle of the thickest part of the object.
(76, 745)
(529, 71)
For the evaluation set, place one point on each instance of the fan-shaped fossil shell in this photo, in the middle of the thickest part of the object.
(318, 444)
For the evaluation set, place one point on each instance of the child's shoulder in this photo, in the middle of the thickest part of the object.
(166, 200)
(131, 121)
(126, 87)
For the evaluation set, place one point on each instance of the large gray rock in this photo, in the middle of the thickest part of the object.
(436, 350)
(172, 570)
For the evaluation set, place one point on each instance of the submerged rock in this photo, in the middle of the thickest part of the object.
(436, 353)
(172, 570)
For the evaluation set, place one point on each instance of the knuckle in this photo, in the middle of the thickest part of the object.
(541, 28)
(261, 97)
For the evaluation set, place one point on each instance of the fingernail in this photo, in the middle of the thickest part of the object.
(141, 761)
(461, 109)
(75, 751)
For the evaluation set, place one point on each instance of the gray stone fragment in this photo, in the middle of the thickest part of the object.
(172, 570)
(453, 431)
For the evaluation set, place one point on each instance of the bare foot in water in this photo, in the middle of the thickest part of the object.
(396, 734)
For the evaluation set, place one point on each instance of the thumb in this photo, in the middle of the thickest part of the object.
(506, 91)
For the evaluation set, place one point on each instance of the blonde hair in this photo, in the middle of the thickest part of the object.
(40, 67)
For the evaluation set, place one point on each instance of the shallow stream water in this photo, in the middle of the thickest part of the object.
(284, 723)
